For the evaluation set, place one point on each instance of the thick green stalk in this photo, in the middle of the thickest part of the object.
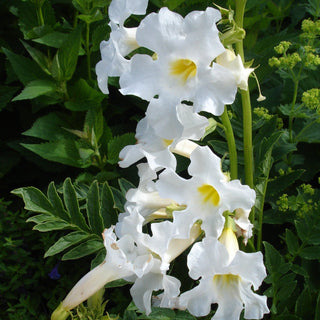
(231, 144)
(246, 104)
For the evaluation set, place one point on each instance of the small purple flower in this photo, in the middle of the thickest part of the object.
(54, 274)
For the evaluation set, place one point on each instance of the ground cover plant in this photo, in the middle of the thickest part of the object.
(164, 153)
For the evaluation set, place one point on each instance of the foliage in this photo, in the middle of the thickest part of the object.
(56, 123)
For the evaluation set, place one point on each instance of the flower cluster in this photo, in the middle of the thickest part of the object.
(187, 71)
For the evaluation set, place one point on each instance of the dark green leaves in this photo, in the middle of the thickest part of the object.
(65, 61)
(83, 210)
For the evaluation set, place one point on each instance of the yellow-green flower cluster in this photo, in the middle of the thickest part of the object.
(311, 99)
(310, 29)
(288, 61)
(262, 112)
(283, 203)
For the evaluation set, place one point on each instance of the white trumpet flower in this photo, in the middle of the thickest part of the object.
(181, 68)
(206, 195)
(224, 280)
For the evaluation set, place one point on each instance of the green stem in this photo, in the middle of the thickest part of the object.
(294, 99)
(231, 144)
(88, 50)
(246, 108)
(246, 104)
(40, 14)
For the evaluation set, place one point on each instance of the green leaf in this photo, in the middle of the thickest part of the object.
(292, 242)
(53, 39)
(65, 151)
(65, 61)
(35, 89)
(38, 57)
(41, 218)
(71, 203)
(25, 69)
(125, 185)
(287, 285)
(117, 144)
(6, 94)
(83, 249)
(49, 127)
(100, 33)
(56, 202)
(94, 16)
(304, 306)
(310, 253)
(94, 123)
(278, 184)
(119, 199)
(129, 315)
(83, 97)
(310, 133)
(108, 212)
(34, 200)
(93, 209)
(66, 242)
(51, 225)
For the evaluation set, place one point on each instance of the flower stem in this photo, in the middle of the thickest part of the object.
(231, 144)
(246, 104)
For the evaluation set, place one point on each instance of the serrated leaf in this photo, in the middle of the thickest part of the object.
(274, 261)
(72, 205)
(25, 69)
(57, 202)
(83, 249)
(35, 89)
(93, 209)
(34, 200)
(49, 127)
(83, 97)
(53, 39)
(310, 253)
(51, 225)
(304, 306)
(116, 144)
(119, 199)
(292, 242)
(94, 123)
(65, 151)
(287, 284)
(38, 57)
(108, 211)
(66, 242)
(65, 61)
(40, 218)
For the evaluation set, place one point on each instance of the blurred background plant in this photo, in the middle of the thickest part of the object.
(57, 126)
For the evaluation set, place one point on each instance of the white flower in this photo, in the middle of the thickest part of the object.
(225, 282)
(157, 144)
(122, 260)
(122, 41)
(120, 10)
(243, 224)
(234, 63)
(206, 195)
(182, 67)
(145, 199)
